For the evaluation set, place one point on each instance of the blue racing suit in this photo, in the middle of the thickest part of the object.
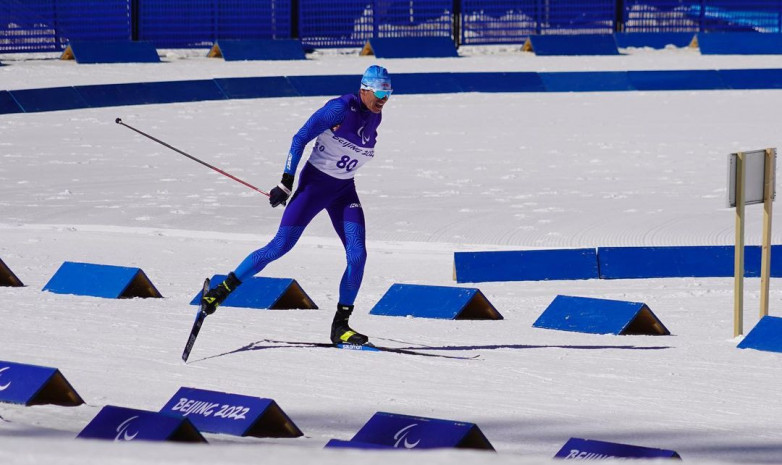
(346, 133)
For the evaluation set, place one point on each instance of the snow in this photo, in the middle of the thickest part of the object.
(453, 172)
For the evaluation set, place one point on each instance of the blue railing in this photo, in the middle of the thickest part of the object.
(48, 25)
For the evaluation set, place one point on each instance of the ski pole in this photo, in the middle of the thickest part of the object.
(119, 121)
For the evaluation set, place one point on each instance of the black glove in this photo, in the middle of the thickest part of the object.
(280, 194)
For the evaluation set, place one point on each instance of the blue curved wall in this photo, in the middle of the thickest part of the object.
(109, 95)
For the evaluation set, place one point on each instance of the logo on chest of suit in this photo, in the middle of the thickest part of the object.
(364, 137)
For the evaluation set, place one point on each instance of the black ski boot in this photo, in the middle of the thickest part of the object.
(216, 296)
(341, 333)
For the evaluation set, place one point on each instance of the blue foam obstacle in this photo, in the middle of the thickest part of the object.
(765, 336)
(572, 44)
(676, 80)
(499, 82)
(752, 78)
(35, 385)
(264, 293)
(341, 444)
(108, 281)
(7, 277)
(590, 449)
(410, 47)
(451, 303)
(312, 86)
(234, 414)
(681, 262)
(125, 424)
(739, 43)
(656, 40)
(257, 49)
(587, 81)
(49, 99)
(143, 93)
(433, 83)
(8, 104)
(256, 87)
(525, 265)
(600, 316)
(410, 432)
(110, 51)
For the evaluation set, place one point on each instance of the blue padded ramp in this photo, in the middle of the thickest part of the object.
(142, 93)
(342, 444)
(525, 265)
(751, 78)
(333, 86)
(8, 104)
(49, 99)
(244, 415)
(600, 316)
(500, 82)
(589, 449)
(124, 424)
(264, 293)
(656, 40)
(408, 432)
(575, 44)
(766, 335)
(676, 80)
(430, 83)
(740, 43)
(452, 303)
(260, 49)
(106, 281)
(110, 51)
(256, 87)
(411, 47)
(681, 262)
(35, 385)
(7, 277)
(600, 81)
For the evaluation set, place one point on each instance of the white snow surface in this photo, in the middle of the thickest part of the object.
(453, 172)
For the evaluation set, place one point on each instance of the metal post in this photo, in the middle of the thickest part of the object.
(294, 33)
(457, 22)
(538, 9)
(768, 194)
(134, 20)
(57, 33)
(619, 16)
(701, 16)
(738, 267)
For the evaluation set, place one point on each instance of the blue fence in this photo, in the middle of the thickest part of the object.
(504, 21)
(48, 25)
(350, 23)
(193, 24)
(701, 16)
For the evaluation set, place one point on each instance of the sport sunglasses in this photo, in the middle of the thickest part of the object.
(381, 94)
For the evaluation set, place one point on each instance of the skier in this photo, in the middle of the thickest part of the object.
(346, 132)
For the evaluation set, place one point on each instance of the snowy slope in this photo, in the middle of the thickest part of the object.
(453, 172)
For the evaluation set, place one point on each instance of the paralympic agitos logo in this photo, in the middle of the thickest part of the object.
(403, 437)
(123, 430)
(5, 386)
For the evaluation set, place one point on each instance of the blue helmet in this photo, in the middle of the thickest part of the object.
(376, 78)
